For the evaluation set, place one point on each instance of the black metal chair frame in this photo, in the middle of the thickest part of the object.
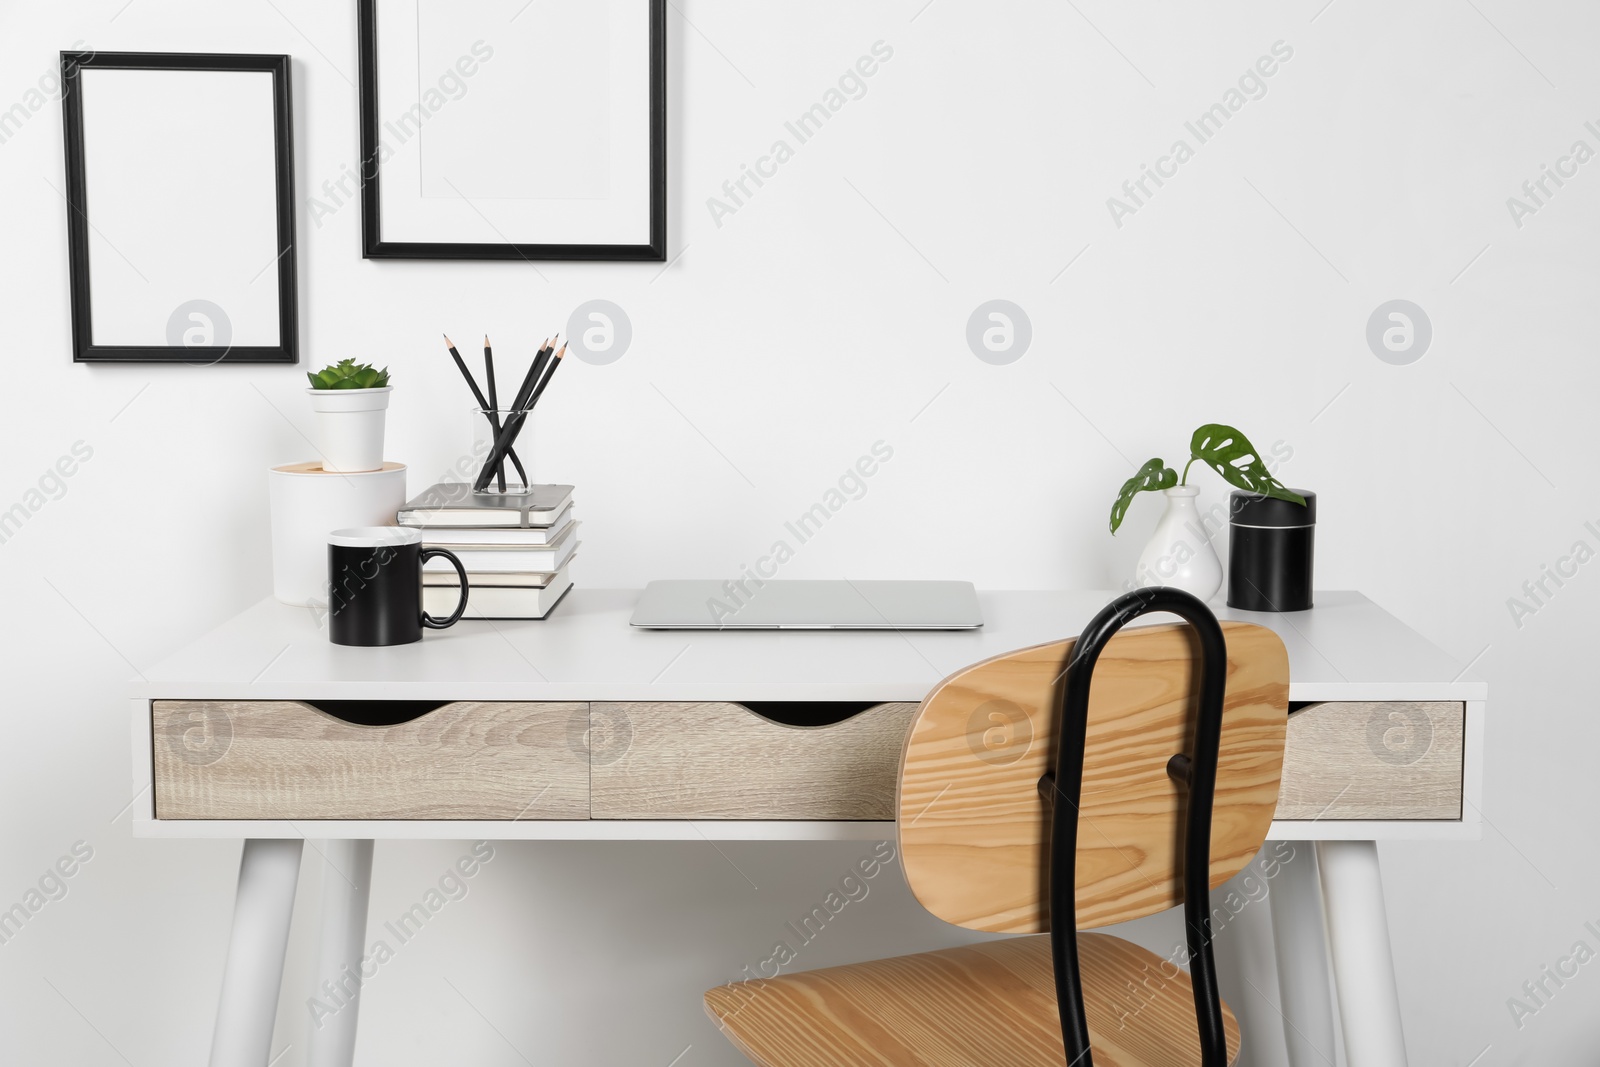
(1198, 771)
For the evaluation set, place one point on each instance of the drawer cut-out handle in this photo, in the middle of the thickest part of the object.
(808, 712)
(376, 712)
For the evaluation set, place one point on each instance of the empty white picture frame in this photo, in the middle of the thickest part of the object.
(180, 193)
(504, 129)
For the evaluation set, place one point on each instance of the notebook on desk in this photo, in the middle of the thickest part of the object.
(708, 604)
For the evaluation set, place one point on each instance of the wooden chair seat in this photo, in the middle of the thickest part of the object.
(981, 1005)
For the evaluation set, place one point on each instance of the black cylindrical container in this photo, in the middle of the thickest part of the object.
(1269, 552)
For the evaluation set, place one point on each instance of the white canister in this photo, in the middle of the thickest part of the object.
(307, 503)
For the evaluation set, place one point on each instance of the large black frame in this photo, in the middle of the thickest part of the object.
(373, 246)
(84, 350)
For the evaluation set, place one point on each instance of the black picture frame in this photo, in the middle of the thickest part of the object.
(84, 348)
(373, 246)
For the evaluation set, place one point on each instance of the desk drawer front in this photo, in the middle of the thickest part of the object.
(521, 760)
(272, 759)
(1380, 760)
(723, 761)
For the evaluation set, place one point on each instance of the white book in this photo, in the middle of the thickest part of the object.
(452, 536)
(494, 602)
(524, 580)
(512, 559)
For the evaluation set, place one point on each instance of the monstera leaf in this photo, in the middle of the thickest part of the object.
(1230, 453)
(1153, 475)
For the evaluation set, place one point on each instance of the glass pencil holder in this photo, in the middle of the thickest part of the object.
(504, 428)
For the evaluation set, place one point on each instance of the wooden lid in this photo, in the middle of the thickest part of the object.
(315, 467)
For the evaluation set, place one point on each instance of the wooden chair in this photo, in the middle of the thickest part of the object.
(1005, 821)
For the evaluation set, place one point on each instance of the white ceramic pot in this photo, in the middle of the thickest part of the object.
(349, 427)
(1179, 553)
(307, 503)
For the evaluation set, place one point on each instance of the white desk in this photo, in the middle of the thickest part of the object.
(200, 738)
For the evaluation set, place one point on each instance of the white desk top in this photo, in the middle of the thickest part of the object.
(1346, 648)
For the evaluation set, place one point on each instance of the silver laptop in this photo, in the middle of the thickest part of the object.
(708, 604)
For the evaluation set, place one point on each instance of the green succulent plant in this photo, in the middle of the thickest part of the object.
(348, 374)
(1223, 449)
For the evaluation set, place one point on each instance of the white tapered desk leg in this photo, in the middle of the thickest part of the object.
(1363, 966)
(248, 1007)
(1300, 943)
(346, 883)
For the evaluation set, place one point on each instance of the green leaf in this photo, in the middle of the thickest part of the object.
(1152, 476)
(1230, 453)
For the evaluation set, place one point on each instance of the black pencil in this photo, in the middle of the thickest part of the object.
(484, 405)
(516, 416)
(494, 407)
(531, 379)
(513, 424)
(488, 367)
(494, 420)
(545, 382)
(472, 383)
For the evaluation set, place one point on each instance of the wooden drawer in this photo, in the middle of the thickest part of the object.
(514, 760)
(724, 761)
(287, 760)
(1381, 760)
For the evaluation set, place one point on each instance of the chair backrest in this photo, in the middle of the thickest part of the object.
(975, 830)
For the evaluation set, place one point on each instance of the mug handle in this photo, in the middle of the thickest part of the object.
(428, 620)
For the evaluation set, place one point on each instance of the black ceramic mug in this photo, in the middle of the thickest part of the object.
(375, 586)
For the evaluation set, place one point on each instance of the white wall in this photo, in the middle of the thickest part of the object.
(826, 314)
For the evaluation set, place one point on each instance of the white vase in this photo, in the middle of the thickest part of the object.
(349, 427)
(1179, 553)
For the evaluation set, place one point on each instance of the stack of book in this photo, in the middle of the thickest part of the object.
(517, 549)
